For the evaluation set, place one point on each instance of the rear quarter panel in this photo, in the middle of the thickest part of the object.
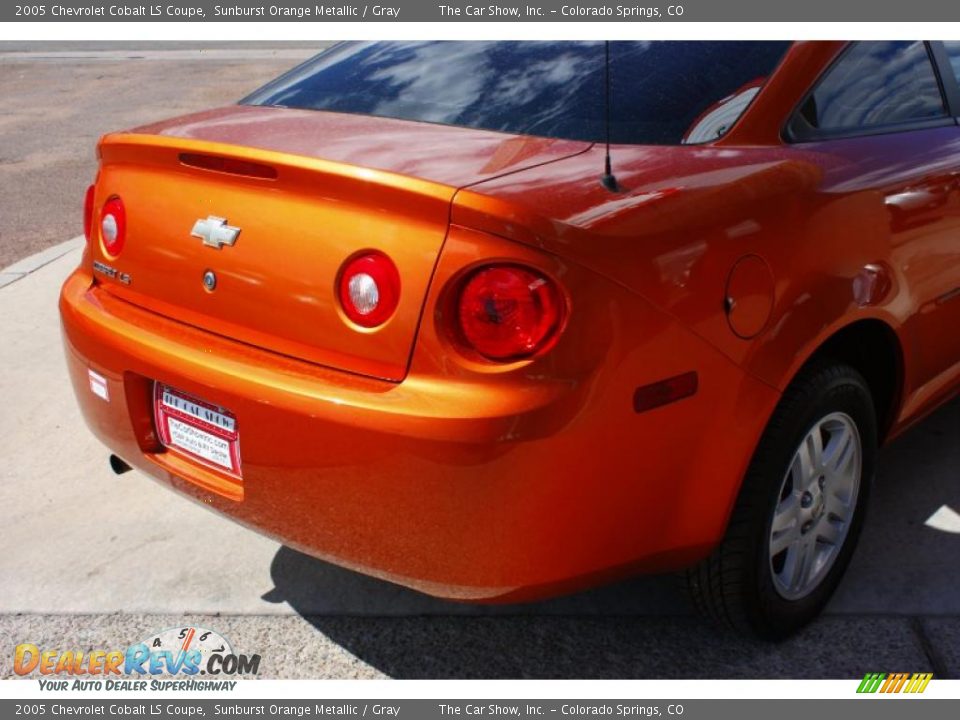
(822, 217)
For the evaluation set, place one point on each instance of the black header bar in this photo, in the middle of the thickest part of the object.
(737, 11)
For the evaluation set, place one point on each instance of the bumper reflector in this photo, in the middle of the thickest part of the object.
(665, 392)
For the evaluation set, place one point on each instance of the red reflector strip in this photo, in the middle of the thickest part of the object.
(229, 165)
(88, 213)
(665, 392)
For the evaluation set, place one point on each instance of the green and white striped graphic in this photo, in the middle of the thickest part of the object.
(895, 682)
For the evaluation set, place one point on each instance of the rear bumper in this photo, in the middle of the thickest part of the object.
(472, 490)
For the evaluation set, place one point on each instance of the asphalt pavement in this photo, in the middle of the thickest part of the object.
(89, 559)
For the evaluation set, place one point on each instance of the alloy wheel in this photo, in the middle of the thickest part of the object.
(816, 505)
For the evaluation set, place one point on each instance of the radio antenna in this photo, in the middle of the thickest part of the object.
(608, 180)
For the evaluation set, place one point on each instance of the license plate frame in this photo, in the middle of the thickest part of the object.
(197, 429)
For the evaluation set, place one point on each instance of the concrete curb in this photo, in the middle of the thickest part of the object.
(22, 268)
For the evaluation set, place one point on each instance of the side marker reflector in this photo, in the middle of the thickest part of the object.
(665, 392)
(98, 385)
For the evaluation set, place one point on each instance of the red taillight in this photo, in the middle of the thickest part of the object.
(507, 312)
(369, 289)
(113, 226)
(88, 213)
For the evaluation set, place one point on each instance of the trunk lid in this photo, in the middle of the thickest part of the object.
(307, 190)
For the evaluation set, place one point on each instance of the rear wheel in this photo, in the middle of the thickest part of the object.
(799, 512)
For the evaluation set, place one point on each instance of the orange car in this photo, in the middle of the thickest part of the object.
(503, 320)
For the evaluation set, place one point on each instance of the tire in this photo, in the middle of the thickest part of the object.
(787, 545)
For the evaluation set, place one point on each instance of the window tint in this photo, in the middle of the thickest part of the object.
(661, 92)
(685, 92)
(953, 51)
(874, 84)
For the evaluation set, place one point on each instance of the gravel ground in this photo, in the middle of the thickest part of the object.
(514, 647)
(67, 96)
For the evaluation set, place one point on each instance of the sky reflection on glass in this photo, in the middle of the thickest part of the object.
(659, 90)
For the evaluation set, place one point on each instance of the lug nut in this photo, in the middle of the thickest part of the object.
(806, 500)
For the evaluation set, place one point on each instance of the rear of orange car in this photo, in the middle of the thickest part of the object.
(275, 316)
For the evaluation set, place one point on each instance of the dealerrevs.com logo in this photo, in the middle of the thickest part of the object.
(172, 659)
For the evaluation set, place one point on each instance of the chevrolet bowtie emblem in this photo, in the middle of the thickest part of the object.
(215, 232)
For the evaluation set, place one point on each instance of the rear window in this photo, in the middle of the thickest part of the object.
(660, 92)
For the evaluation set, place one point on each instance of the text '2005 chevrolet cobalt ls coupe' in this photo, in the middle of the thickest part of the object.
(503, 320)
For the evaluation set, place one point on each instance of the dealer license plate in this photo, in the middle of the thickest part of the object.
(202, 431)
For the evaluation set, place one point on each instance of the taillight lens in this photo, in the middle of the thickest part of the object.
(113, 226)
(507, 312)
(88, 213)
(369, 289)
